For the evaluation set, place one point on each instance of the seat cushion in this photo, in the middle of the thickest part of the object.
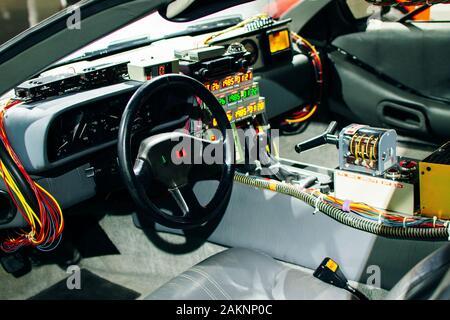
(242, 274)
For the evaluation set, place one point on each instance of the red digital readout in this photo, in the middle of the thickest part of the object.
(162, 70)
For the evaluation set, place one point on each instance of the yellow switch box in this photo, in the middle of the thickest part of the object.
(435, 184)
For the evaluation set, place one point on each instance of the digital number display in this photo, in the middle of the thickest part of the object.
(234, 97)
(261, 106)
(252, 108)
(240, 113)
(251, 92)
(247, 76)
(222, 101)
(215, 86)
(229, 82)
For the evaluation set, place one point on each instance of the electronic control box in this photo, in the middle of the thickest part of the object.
(367, 150)
(226, 74)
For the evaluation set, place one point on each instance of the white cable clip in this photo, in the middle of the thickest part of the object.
(379, 218)
(404, 222)
(434, 221)
(258, 165)
(316, 203)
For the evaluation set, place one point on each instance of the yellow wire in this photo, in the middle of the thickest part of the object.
(54, 200)
(309, 115)
(316, 53)
(31, 215)
(235, 27)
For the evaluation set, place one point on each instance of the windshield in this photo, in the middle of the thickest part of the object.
(155, 27)
(18, 15)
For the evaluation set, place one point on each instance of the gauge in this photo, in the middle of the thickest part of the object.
(63, 146)
(92, 125)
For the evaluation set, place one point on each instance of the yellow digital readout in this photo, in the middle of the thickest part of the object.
(252, 108)
(279, 41)
(240, 113)
(261, 105)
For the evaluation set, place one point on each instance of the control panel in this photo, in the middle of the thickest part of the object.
(226, 73)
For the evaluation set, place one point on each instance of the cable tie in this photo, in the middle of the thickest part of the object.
(346, 206)
(404, 222)
(316, 203)
(434, 221)
(379, 218)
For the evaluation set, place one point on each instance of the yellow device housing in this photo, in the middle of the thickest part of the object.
(435, 184)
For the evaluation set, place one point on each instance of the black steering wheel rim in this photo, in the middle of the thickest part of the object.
(136, 188)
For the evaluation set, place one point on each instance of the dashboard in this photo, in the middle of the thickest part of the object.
(68, 142)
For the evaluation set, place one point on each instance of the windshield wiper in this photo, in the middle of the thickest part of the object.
(126, 45)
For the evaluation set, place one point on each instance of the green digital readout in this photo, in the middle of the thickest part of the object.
(222, 101)
(251, 92)
(234, 97)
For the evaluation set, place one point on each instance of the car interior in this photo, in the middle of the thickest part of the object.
(227, 150)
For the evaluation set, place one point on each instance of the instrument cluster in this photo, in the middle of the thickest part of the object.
(95, 124)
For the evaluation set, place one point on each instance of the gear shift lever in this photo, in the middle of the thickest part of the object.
(327, 137)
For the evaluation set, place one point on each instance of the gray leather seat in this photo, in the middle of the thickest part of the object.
(245, 274)
(240, 274)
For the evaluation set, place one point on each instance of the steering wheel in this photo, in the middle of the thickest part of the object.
(176, 168)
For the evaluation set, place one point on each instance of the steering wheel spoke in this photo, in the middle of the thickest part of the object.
(187, 201)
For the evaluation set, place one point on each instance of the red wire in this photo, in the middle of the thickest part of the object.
(48, 216)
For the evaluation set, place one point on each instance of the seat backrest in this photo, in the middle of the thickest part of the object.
(429, 279)
(415, 55)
